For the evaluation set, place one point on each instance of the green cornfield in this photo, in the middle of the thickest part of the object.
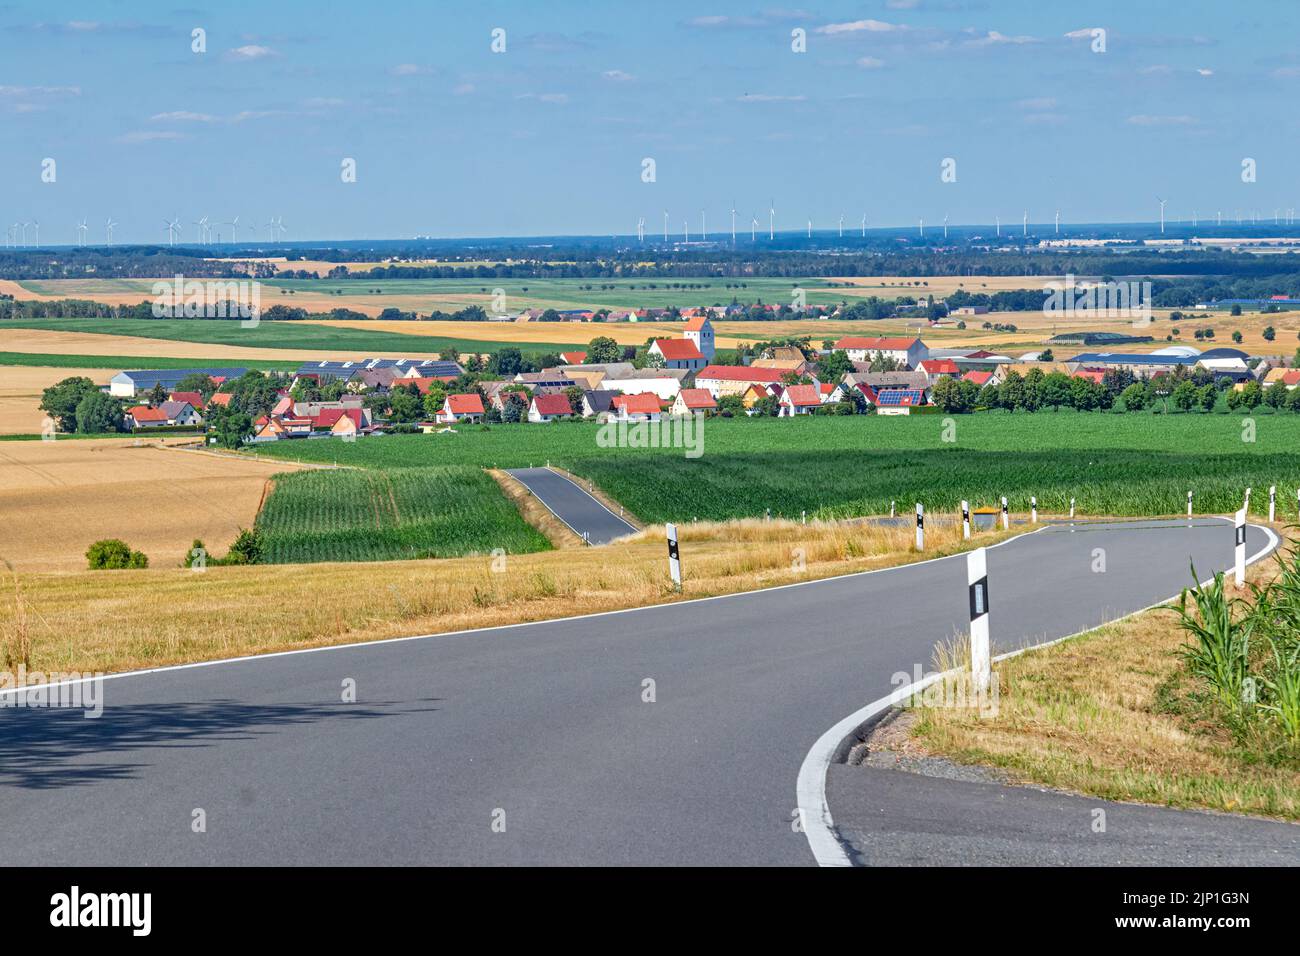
(832, 467)
(379, 515)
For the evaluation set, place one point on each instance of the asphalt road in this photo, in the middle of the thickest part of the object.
(577, 509)
(542, 727)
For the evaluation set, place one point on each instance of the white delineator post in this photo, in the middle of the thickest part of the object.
(1272, 503)
(1246, 505)
(977, 584)
(1033, 509)
(891, 508)
(965, 519)
(674, 560)
(1006, 519)
(1071, 509)
(1240, 555)
(1189, 504)
(920, 526)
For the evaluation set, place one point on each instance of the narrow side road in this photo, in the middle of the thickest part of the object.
(583, 514)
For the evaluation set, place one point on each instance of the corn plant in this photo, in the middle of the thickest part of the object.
(1219, 651)
(1281, 699)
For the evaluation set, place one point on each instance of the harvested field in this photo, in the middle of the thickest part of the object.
(20, 394)
(60, 496)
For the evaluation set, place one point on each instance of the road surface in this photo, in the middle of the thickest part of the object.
(538, 743)
(583, 514)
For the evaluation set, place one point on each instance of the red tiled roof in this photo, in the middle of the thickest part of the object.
(1291, 377)
(827, 387)
(696, 323)
(801, 395)
(194, 398)
(646, 403)
(1092, 374)
(556, 403)
(938, 367)
(329, 417)
(470, 403)
(678, 349)
(979, 378)
(143, 413)
(697, 398)
(573, 358)
(221, 398)
(739, 373)
(876, 345)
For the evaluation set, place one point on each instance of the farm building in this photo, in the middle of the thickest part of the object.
(135, 384)
(597, 401)
(898, 401)
(573, 358)
(699, 331)
(404, 368)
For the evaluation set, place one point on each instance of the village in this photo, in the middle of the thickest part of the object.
(677, 376)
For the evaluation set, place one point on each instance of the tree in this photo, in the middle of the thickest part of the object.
(832, 367)
(1235, 310)
(1184, 396)
(1269, 333)
(1236, 336)
(603, 349)
(1275, 396)
(229, 426)
(506, 362)
(60, 401)
(404, 404)
(246, 549)
(1134, 397)
(948, 394)
(114, 554)
(1055, 390)
(98, 413)
(197, 382)
(157, 395)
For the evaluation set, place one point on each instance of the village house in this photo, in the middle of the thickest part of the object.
(465, 407)
(573, 358)
(644, 407)
(692, 400)
(597, 402)
(547, 408)
(722, 380)
(799, 400)
(678, 353)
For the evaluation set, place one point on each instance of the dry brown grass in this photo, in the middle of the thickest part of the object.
(1086, 716)
(51, 342)
(525, 333)
(121, 620)
(60, 496)
(20, 394)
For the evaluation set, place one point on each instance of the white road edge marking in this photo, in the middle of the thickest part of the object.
(810, 789)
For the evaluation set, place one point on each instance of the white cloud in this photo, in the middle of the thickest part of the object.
(769, 98)
(1084, 34)
(870, 62)
(558, 99)
(860, 26)
(409, 69)
(250, 51)
(40, 91)
(1146, 119)
(463, 89)
(617, 76)
(149, 136)
(994, 38)
(1038, 103)
(1204, 72)
(184, 116)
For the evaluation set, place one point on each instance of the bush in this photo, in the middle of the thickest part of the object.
(247, 548)
(113, 554)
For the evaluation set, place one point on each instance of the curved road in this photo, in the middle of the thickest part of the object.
(541, 727)
(584, 515)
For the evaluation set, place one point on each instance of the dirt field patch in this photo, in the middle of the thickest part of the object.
(58, 497)
(20, 394)
(51, 342)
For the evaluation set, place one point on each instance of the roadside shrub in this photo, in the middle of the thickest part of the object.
(247, 548)
(114, 554)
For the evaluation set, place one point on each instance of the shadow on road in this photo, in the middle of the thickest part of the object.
(43, 749)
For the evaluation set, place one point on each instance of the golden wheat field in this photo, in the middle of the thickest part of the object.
(57, 497)
(51, 342)
(20, 394)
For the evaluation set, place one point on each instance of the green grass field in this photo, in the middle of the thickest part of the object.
(45, 360)
(351, 515)
(277, 335)
(842, 467)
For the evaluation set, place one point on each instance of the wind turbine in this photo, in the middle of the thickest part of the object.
(841, 227)
(704, 232)
(1162, 214)
(203, 230)
(997, 223)
(279, 227)
(81, 232)
(686, 230)
(665, 225)
(108, 229)
(1218, 218)
(864, 225)
(1058, 222)
(234, 229)
(1024, 224)
(173, 230)
(753, 229)
(809, 228)
(733, 222)
(945, 227)
(640, 229)
(37, 224)
(1193, 218)
(24, 225)
(920, 225)
(771, 220)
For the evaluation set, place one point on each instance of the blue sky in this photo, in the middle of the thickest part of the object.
(451, 139)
